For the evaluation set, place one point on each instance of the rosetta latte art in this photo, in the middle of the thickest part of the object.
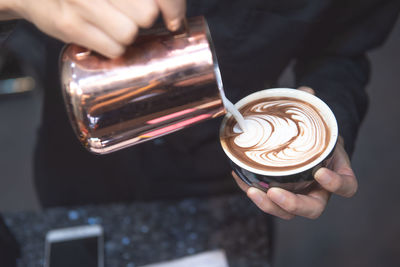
(282, 134)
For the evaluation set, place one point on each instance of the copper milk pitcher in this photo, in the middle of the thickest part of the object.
(163, 83)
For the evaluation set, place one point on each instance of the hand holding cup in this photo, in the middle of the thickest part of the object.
(335, 177)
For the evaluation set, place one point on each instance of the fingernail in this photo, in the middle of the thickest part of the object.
(321, 177)
(174, 25)
(255, 195)
(277, 196)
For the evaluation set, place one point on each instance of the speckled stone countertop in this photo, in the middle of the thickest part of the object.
(143, 233)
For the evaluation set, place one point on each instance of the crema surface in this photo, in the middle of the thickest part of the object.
(282, 134)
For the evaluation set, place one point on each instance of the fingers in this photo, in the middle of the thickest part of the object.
(97, 40)
(307, 89)
(72, 28)
(261, 200)
(344, 185)
(240, 183)
(310, 206)
(340, 179)
(173, 12)
(287, 205)
(340, 159)
(106, 26)
(264, 203)
(142, 13)
(112, 22)
(120, 20)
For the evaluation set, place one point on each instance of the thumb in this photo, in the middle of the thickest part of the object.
(307, 89)
(173, 12)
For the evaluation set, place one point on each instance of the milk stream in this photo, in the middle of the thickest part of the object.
(235, 113)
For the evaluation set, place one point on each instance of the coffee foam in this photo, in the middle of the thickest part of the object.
(284, 134)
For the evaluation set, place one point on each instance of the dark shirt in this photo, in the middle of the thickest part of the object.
(255, 40)
(5, 29)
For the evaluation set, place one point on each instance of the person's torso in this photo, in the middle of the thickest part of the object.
(254, 41)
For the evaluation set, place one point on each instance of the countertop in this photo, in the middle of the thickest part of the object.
(148, 232)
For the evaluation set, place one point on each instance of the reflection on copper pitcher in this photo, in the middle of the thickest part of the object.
(163, 83)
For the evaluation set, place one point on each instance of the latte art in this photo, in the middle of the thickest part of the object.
(282, 134)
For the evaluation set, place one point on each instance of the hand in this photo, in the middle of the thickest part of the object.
(338, 178)
(106, 26)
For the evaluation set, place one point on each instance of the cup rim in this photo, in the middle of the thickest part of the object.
(316, 102)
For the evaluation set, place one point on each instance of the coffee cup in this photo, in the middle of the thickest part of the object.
(290, 135)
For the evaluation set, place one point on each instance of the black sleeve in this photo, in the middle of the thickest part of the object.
(334, 61)
(6, 28)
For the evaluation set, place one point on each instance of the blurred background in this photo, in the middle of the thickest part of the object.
(362, 231)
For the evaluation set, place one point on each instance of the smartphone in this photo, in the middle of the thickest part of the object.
(81, 246)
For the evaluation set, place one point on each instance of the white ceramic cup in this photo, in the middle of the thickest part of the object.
(294, 180)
